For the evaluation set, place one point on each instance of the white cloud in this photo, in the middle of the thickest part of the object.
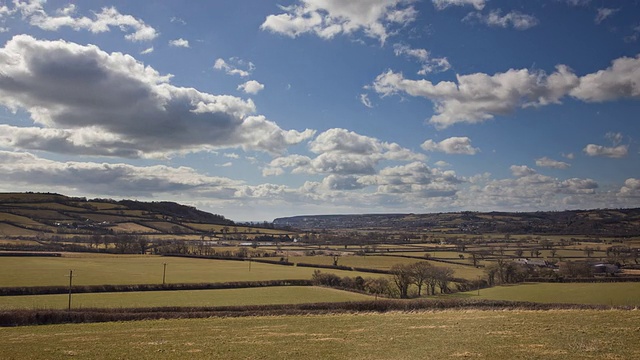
(29, 171)
(179, 43)
(251, 87)
(452, 145)
(569, 156)
(443, 4)
(109, 17)
(328, 18)
(364, 99)
(551, 163)
(578, 2)
(478, 97)
(343, 152)
(233, 67)
(615, 138)
(413, 179)
(604, 13)
(515, 19)
(91, 102)
(620, 80)
(522, 170)
(610, 152)
(227, 164)
(631, 188)
(147, 51)
(442, 164)
(429, 64)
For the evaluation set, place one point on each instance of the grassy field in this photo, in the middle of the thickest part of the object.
(559, 334)
(572, 293)
(188, 298)
(98, 269)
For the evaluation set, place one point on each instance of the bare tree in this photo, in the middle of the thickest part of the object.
(420, 274)
(402, 277)
(443, 276)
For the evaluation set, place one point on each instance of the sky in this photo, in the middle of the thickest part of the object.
(257, 109)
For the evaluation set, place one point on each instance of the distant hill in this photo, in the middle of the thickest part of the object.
(609, 222)
(27, 214)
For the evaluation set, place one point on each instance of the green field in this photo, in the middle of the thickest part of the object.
(554, 334)
(95, 269)
(386, 262)
(187, 298)
(573, 293)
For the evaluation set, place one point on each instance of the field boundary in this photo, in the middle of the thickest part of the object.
(47, 317)
(50, 290)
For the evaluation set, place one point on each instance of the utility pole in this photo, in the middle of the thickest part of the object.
(70, 285)
(249, 263)
(164, 273)
(478, 285)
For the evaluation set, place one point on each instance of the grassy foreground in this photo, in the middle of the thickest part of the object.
(615, 294)
(185, 298)
(513, 334)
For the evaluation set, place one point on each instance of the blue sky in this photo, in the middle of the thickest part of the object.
(256, 109)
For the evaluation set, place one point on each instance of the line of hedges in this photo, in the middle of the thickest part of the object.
(338, 267)
(43, 317)
(47, 290)
(432, 259)
(40, 254)
(608, 279)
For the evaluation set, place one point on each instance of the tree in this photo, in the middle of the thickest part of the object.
(588, 251)
(474, 259)
(402, 277)
(377, 286)
(443, 276)
(420, 273)
(553, 253)
(519, 252)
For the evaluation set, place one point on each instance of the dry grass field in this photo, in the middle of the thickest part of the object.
(511, 334)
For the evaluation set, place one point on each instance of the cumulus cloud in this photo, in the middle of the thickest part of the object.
(514, 19)
(109, 17)
(551, 163)
(414, 178)
(28, 170)
(452, 145)
(443, 4)
(343, 152)
(251, 87)
(604, 13)
(179, 43)
(620, 80)
(522, 170)
(429, 64)
(328, 18)
(233, 67)
(478, 97)
(616, 152)
(93, 102)
(631, 188)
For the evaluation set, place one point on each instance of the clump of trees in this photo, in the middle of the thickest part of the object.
(407, 280)
(423, 275)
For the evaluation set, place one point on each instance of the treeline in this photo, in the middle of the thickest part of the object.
(407, 281)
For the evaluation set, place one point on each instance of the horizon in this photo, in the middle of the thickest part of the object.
(268, 109)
